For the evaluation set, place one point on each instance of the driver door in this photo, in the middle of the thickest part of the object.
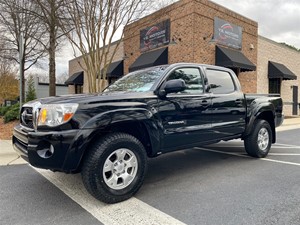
(185, 115)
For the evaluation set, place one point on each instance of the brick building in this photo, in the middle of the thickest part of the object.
(201, 31)
(77, 81)
(192, 28)
(286, 80)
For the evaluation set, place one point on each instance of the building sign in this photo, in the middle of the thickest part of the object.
(227, 34)
(155, 36)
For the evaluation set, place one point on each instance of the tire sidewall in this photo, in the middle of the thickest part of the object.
(260, 125)
(109, 148)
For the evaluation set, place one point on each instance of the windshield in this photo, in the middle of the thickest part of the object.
(139, 81)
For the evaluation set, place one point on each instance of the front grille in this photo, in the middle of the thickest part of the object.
(27, 117)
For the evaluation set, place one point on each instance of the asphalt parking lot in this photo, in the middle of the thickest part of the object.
(216, 184)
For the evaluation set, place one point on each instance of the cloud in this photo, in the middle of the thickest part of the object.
(277, 19)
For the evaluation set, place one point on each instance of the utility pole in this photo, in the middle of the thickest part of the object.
(21, 53)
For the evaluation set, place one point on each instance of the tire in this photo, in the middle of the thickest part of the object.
(259, 141)
(114, 169)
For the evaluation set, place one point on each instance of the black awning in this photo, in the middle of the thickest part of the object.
(233, 59)
(115, 69)
(75, 79)
(278, 70)
(148, 59)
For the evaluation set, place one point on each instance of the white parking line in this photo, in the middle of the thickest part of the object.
(245, 156)
(285, 154)
(130, 212)
(286, 145)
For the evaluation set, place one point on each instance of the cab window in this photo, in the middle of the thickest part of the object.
(220, 82)
(192, 78)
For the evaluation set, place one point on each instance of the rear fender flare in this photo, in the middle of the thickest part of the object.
(255, 112)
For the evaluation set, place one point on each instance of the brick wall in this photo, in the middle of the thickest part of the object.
(191, 20)
(269, 50)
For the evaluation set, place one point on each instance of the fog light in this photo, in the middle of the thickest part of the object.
(46, 152)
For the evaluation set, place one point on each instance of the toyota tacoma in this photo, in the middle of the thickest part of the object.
(108, 136)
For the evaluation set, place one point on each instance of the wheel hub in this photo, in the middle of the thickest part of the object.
(263, 139)
(120, 169)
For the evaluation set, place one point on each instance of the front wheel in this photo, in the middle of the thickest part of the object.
(259, 141)
(115, 168)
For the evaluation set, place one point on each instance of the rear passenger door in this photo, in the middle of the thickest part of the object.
(228, 109)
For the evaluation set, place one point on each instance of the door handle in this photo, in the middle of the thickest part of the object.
(204, 103)
(239, 101)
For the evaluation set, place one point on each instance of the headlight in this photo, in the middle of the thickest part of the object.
(56, 114)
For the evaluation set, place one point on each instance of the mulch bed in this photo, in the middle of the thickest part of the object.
(6, 129)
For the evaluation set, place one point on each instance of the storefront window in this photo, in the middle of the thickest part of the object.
(274, 85)
(78, 89)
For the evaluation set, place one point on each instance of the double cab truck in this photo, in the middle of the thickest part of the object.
(109, 136)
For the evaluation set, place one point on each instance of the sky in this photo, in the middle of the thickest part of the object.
(278, 20)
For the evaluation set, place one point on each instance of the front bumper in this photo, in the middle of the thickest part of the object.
(47, 150)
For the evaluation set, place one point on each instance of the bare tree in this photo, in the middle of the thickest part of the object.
(8, 82)
(161, 4)
(14, 21)
(96, 24)
(50, 12)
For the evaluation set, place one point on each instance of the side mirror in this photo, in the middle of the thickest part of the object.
(173, 86)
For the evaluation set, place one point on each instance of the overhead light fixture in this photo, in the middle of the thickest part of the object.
(212, 40)
(210, 37)
(174, 40)
(126, 56)
(206, 36)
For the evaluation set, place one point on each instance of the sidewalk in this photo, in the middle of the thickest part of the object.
(9, 157)
(291, 121)
(289, 124)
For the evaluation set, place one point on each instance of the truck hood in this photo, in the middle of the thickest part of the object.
(95, 98)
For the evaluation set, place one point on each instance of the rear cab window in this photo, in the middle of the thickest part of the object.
(220, 82)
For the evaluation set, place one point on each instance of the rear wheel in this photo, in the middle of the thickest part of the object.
(115, 168)
(259, 141)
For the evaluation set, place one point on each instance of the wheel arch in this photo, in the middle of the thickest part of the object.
(267, 115)
(138, 129)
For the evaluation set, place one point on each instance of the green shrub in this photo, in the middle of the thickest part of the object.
(3, 110)
(31, 94)
(12, 114)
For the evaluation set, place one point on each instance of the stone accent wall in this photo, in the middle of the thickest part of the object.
(269, 50)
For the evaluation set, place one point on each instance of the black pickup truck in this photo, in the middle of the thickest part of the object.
(109, 136)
